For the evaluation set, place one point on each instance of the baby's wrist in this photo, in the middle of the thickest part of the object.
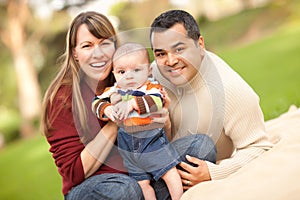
(133, 104)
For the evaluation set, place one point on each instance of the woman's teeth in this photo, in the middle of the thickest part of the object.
(100, 64)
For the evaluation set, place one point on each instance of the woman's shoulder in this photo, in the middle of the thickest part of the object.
(62, 98)
(64, 90)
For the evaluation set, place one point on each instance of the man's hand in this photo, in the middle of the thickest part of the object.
(193, 175)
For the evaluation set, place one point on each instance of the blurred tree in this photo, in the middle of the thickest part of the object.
(133, 14)
(23, 35)
(14, 37)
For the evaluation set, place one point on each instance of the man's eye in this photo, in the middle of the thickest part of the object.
(179, 49)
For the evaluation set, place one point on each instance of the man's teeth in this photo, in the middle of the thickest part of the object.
(98, 64)
(174, 70)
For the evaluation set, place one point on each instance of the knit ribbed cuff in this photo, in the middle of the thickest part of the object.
(141, 105)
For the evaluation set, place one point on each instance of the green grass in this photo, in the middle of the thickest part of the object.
(28, 172)
(272, 67)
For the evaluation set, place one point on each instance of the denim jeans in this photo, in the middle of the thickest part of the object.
(120, 186)
(106, 186)
(147, 154)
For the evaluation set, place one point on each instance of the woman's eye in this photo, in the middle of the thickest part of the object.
(85, 46)
(104, 43)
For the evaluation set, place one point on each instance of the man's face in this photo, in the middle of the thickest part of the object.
(177, 56)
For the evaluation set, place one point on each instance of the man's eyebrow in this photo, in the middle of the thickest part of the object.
(176, 45)
(172, 47)
(158, 50)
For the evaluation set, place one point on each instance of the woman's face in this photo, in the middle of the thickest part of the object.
(93, 55)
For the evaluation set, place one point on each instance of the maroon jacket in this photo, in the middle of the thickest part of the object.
(65, 143)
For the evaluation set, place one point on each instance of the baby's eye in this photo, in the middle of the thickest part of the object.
(121, 72)
(137, 70)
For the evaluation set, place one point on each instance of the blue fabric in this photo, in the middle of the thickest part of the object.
(147, 155)
(120, 186)
(106, 186)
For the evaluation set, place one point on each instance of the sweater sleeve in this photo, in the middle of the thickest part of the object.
(244, 125)
(66, 146)
(100, 102)
(151, 101)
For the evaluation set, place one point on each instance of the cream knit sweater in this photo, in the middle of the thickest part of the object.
(218, 102)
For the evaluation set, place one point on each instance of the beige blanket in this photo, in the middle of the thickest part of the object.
(273, 175)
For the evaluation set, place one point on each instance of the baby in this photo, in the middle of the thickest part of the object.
(142, 143)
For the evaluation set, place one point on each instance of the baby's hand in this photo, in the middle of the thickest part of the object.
(115, 98)
(110, 113)
(124, 108)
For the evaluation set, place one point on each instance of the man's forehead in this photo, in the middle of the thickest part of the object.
(168, 39)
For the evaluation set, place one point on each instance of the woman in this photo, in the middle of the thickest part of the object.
(81, 146)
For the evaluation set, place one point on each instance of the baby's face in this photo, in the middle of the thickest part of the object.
(131, 70)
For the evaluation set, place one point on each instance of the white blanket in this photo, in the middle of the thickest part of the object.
(275, 175)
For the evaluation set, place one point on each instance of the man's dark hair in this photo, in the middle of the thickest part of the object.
(169, 18)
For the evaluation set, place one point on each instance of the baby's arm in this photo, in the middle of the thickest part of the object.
(152, 101)
(102, 107)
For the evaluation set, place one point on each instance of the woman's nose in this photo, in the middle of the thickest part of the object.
(98, 52)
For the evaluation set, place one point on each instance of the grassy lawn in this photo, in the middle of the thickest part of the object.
(272, 67)
(28, 172)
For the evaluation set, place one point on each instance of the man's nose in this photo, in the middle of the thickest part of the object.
(171, 59)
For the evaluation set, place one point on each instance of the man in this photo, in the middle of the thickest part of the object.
(207, 96)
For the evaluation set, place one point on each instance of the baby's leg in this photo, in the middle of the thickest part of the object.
(147, 189)
(173, 181)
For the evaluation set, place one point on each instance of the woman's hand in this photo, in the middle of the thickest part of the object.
(97, 150)
(193, 174)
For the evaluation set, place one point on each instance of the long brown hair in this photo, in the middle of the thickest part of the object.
(69, 74)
